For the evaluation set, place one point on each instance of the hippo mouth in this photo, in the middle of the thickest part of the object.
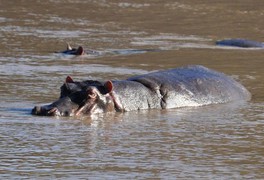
(67, 108)
(62, 107)
(45, 111)
(54, 111)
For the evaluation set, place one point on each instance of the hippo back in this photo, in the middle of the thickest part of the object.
(244, 43)
(192, 86)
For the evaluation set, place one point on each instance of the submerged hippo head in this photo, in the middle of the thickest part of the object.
(79, 98)
(73, 51)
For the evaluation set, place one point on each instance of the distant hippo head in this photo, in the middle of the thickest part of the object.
(73, 51)
(80, 98)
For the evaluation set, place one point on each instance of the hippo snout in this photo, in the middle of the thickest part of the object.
(38, 110)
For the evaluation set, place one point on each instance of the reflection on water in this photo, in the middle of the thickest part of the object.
(211, 142)
(178, 143)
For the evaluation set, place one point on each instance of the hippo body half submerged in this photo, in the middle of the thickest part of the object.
(81, 51)
(243, 43)
(180, 87)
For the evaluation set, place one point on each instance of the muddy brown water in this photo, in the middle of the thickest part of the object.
(212, 142)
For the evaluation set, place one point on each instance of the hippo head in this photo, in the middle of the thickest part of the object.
(80, 98)
(73, 51)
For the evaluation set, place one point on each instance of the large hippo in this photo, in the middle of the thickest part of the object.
(185, 86)
(243, 43)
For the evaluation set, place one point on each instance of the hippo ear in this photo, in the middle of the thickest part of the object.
(69, 79)
(109, 86)
(80, 51)
(69, 47)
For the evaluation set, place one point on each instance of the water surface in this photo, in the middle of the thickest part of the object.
(212, 142)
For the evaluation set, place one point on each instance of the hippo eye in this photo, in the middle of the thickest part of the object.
(91, 93)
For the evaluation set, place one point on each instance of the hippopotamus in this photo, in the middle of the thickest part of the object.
(80, 51)
(243, 43)
(192, 85)
(76, 51)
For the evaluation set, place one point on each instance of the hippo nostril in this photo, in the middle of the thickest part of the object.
(45, 111)
(36, 110)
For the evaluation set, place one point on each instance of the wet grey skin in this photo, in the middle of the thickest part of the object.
(185, 86)
(243, 43)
